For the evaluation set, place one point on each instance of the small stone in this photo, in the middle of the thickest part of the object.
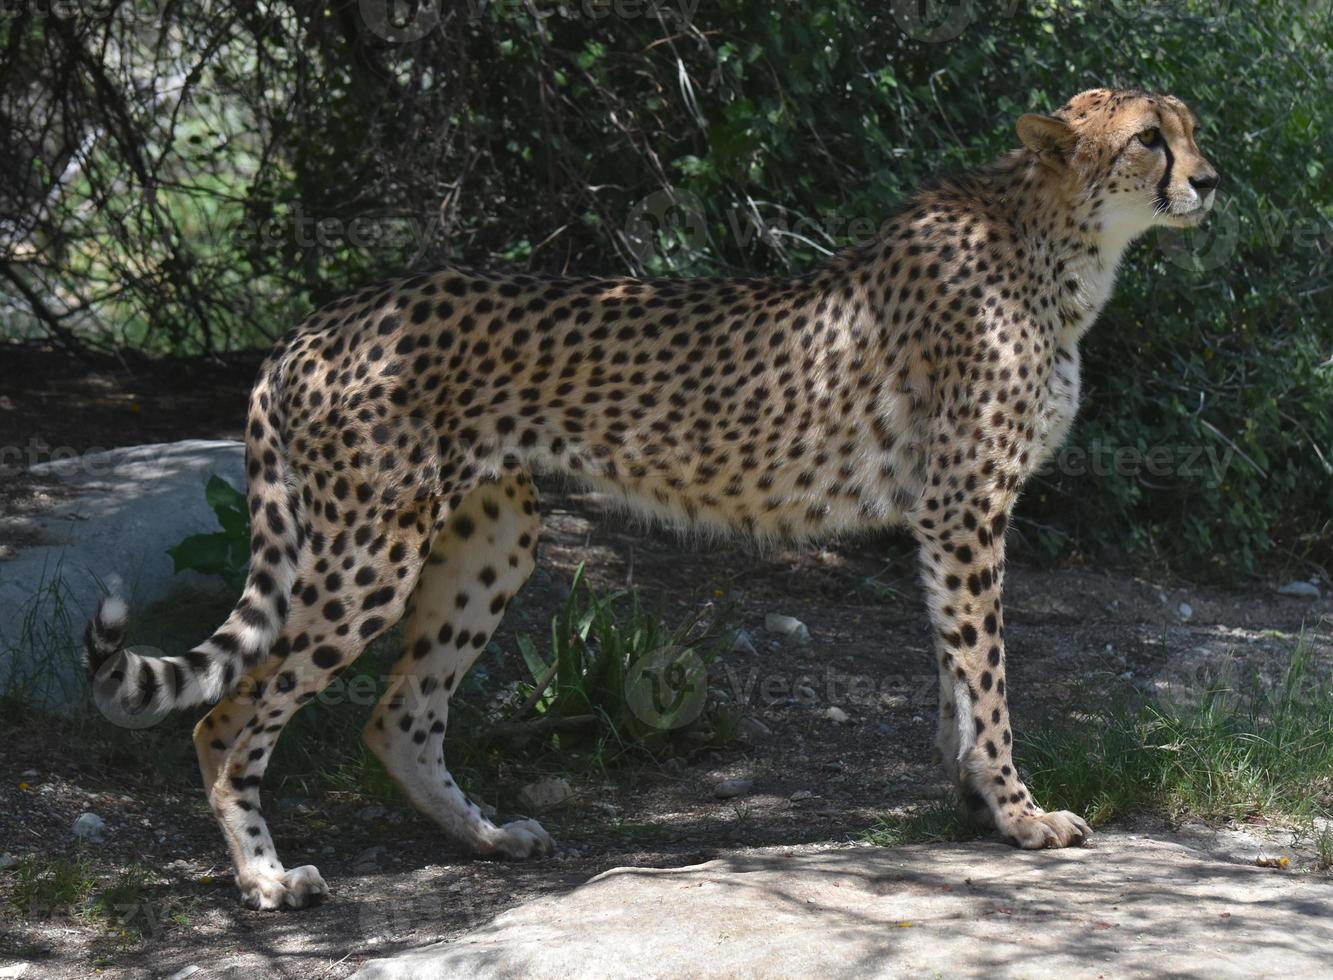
(753, 728)
(186, 971)
(788, 626)
(837, 715)
(372, 812)
(801, 795)
(90, 827)
(7, 861)
(729, 789)
(604, 808)
(744, 643)
(1185, 611)
(369, 859)
(1300, 590)
(545, 794)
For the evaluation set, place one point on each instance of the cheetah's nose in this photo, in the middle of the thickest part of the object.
(1205, 181)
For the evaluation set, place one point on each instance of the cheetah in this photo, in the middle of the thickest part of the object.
(917, 379)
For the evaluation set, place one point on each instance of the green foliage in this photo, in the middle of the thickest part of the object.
(225, 553)
(618, 678)
(505, 138)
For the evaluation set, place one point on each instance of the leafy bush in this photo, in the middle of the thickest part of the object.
(736, 135)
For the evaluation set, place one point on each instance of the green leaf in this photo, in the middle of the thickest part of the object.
(207, 553)
(221, 496)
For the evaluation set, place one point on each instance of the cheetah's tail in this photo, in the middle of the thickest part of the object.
(126, 682)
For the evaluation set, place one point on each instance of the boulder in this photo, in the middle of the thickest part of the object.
(122, 510)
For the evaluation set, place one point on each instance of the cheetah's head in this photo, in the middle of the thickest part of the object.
(1133, 151)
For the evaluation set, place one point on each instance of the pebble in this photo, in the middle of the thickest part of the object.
(545, 794)
(754, 728)
(7, 861)
(90, 827)
(1300, 590)
(744, 643)
(729, 789)
(787, 626)
(372, 812)
(837, 715)
(801, 794)
(1185, 611)
(186, 971)
(369, 859)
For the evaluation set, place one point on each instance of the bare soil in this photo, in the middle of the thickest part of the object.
(1075, 634)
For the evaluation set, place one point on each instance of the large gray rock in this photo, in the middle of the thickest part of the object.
(123, 510)
(1126, 907)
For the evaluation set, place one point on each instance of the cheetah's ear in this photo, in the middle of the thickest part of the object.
(1046, 135)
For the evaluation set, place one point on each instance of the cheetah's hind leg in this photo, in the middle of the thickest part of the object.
(478, 561)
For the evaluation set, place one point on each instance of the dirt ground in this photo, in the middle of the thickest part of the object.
(1075, 634)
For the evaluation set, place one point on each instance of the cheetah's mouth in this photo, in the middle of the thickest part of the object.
(1189, 217)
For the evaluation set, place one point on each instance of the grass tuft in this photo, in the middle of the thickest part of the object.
(937, 822)
(1243, 747)
(1257, 746)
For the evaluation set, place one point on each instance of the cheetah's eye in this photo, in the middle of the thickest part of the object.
(1150, 137)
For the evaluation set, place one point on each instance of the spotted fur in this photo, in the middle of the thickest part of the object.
(917, 379)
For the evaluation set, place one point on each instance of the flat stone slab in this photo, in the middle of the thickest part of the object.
(1126, 906)
(119, 513)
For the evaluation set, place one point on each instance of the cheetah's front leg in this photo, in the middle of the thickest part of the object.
(960, 526)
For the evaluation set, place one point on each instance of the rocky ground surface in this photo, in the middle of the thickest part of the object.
(835, 730)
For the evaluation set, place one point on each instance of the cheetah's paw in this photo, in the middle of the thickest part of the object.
(295, 888)
(521, 839)
(1057, 829)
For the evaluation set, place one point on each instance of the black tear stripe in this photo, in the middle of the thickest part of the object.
(1163, 202)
